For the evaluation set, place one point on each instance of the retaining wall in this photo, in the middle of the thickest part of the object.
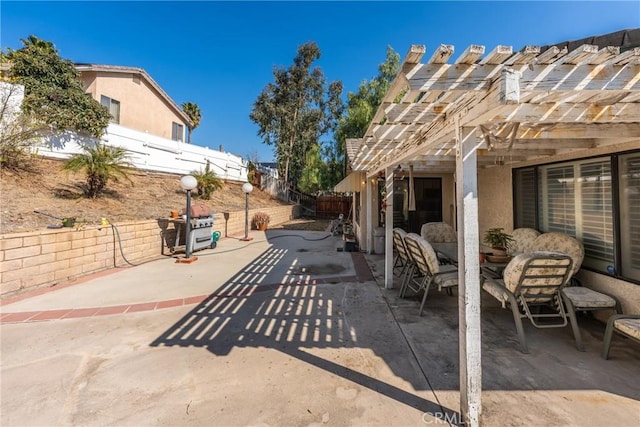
(47, 257)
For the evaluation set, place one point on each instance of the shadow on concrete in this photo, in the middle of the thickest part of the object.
(300, 296)
(285, 301)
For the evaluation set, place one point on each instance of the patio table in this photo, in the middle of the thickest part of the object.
(449, 251)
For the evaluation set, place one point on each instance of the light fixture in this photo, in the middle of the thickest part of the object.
(246, 188)
(188, 183)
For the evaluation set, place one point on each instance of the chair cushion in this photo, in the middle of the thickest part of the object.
(497, 290)
(446, 280)
(398, 242)
(523, 239)
(515, 269)
(629, 327)
(438, 232)
(588, 298)
(560, 242)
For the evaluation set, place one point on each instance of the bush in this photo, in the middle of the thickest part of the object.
(261, 219)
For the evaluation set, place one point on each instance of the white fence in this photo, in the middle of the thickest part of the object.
(148, 152)
(153, 153)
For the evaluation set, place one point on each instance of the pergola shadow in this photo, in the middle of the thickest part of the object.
(301, 315)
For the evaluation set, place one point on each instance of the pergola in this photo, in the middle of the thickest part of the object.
(485, 110)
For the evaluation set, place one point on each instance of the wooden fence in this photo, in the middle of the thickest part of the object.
(332, 206)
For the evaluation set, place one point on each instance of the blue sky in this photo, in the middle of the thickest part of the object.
(220, 55)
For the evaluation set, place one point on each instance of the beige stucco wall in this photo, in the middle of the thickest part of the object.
(495, 204)
(141, 106)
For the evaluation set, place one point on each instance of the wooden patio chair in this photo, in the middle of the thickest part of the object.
(531, 286)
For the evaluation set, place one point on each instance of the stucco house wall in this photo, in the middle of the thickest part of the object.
(142, 106)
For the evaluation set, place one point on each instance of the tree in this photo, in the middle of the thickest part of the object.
(207, 180)
(54, 94)
(193, 112)
(19, 132)
(314, 170)
(361, 107)
(101, 163)
(295, 110)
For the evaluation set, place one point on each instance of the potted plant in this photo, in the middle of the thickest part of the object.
(498, 240)
(261, 220)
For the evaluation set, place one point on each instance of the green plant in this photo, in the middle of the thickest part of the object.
(101, 163)
(261, 219)
(208, 181)
(497, 238)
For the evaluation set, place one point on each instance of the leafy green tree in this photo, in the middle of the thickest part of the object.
(295, 110)
(193, 112)
(361, 107)
(314, 170)
(101, 164)
(208, 181)
(54, 94)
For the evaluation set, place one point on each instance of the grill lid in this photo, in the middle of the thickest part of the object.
(199, 211)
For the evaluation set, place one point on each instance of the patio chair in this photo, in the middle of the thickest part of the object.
(438, 232)
(531, 286)
(576, 298)
(402, 260)
(625, 324)
(522, 240)
(426, 261)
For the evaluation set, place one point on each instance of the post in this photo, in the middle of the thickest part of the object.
(246, 216)
(188, 183)
(468, 276)
(247, 188)
(187, 227)
(388, 229)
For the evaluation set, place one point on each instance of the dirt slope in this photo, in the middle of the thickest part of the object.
(47, 188)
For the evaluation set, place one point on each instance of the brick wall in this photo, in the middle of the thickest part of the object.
(46, 257)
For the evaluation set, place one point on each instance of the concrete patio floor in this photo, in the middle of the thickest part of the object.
(287, 331)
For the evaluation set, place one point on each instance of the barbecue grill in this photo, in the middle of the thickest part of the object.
(201, 225)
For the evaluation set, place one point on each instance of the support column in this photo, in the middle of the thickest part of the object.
(388, 229)
(370, 189)
(468, 276)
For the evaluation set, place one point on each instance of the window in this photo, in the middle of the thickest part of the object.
(578, 198)
(629, 195)
(177, 132)
(524, 201)
(113, 106)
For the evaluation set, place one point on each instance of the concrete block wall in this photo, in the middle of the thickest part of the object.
(47, 257)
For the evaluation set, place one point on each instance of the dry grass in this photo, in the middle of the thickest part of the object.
(47, 188)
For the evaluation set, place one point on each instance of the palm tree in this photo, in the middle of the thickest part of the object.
(193, 111)
(102, 163)
(208, 181)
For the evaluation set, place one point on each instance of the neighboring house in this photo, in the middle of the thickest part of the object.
(135, 100)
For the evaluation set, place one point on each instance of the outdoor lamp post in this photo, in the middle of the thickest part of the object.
(188, 182)
(247, 188)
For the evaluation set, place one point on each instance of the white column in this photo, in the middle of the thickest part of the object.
(370, 189)
(468, 276)
(388, 232)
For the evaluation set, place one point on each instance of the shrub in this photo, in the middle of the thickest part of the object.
(261, 219)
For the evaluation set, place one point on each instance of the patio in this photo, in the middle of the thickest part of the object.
(292, 332)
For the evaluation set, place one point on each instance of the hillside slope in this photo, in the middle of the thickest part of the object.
(47, 188)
